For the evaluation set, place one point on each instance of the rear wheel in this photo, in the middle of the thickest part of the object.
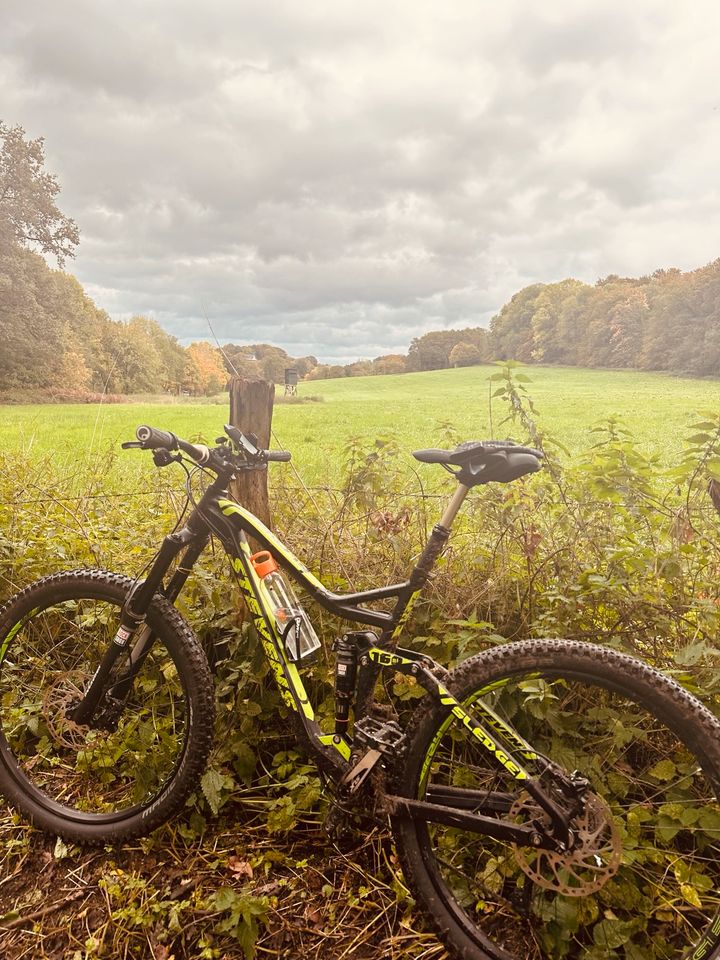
(639, 880)
(133, 765)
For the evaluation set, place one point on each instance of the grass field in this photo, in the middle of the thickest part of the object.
(413, 407)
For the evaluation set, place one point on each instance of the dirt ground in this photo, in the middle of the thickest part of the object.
(175, 895)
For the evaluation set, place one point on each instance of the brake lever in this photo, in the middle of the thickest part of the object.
(163, 458)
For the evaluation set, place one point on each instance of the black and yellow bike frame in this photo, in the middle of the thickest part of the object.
(218, 515)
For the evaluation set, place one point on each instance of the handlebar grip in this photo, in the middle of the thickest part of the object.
(277, 456)
(153, 439)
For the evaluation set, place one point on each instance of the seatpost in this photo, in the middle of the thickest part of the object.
(451, 511)
(433, 548)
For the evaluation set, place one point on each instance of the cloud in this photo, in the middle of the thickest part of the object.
(339, 179)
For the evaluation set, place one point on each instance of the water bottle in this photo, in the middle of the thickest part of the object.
(301, 641)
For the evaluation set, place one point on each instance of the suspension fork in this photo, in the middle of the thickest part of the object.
(132, 627)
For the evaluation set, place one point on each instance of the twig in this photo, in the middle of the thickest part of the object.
(52, 908)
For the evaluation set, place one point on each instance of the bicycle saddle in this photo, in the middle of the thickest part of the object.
(485, 461)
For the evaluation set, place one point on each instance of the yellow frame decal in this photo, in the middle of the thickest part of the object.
(286, 673)
(229, 507)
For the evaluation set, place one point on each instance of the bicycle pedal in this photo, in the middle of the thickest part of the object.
(385, 736)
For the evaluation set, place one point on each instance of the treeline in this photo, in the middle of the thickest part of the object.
(433, 351)
(55, 340)
(667, 321)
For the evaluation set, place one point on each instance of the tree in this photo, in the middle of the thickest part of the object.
(431, 351)
(241, 362)
(273, 364)
(168, 357)
(389, 363)
(326, 371)
(264, 361)
(361, 368)
(28, 213)
(304, 365)
(74, 373)
(464, 355)
(510, 330)
(30, 331)
(553, 323)
(204, 370)
(627, 320)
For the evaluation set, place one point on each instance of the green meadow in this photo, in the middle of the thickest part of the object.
(418, 409)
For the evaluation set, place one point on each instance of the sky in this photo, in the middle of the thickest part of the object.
(337, 178)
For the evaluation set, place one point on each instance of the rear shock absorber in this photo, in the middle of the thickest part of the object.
(345, 677)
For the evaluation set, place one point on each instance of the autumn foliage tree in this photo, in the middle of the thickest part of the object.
(464, 355)
(668, 320)
(205, 372)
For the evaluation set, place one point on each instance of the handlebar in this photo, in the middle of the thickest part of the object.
(243, 454)
(248, 446)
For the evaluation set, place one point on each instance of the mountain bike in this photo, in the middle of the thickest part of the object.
(547, 798)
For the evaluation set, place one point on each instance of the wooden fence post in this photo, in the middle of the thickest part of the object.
(251, 409)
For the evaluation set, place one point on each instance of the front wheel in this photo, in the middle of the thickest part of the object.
(133, 764)
(640, 879)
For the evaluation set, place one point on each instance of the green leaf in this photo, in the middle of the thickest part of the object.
(613, 933)
(709, 820)
(244, 762)
(225, 899)
(691, 895)
(712, 466)
(211, 784)
(664, 770)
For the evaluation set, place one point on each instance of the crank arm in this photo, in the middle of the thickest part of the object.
(357, 775)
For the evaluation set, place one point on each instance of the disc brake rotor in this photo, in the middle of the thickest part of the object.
(593, 859)
(58, 701)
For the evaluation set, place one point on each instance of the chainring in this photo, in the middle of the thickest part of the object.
(591, 861)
